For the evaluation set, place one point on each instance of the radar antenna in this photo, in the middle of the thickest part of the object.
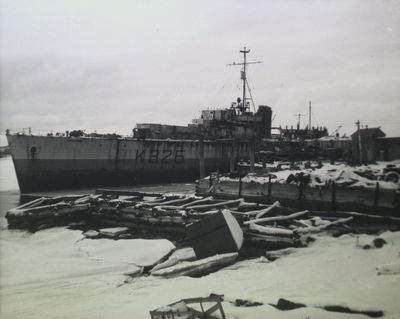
(243, 77)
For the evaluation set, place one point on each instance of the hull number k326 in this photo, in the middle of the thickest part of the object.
(160, 156)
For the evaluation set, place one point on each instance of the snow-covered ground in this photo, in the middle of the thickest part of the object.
(57, 273)
(339, 173)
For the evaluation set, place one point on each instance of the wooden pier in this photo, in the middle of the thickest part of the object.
(330, 197)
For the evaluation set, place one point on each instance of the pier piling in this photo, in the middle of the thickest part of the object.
(201, 157)
(232, 158)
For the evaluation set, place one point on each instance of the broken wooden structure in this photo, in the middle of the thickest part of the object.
(181, 309)
(218, 233)
(265, 226)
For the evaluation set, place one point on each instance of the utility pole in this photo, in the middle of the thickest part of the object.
(309, 117)
(359, 142)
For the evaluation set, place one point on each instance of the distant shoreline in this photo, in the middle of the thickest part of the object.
(5, 151)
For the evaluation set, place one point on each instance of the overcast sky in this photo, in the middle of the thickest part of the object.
(107, 65)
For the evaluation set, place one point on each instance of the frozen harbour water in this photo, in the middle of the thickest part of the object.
(56, 273)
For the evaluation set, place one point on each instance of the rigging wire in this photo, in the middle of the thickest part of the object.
(251, 96)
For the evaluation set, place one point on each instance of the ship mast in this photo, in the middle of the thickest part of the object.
(243, 77)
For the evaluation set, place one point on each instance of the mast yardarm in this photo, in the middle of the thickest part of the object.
(243, 105)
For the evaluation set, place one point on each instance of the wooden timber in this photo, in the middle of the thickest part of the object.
(265, 226)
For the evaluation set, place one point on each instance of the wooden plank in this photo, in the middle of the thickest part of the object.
(116, 192)
(277, 218)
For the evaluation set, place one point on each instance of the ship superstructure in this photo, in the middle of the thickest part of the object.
(214, 125)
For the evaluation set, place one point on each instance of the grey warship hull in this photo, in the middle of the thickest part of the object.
(58, 162)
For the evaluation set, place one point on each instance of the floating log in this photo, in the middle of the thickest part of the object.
(260, 212)
(277, 218)
(168, 202)
(133, 210)
(157, 200)
(178, 256)
(158, 211)
(267, 210)
(199, 201)
(299, 223)
(65, 198)
(199, 267)
(270, 231)
(149, 219)
(200, 215)
(48, 215)
(48, 210)
(45, 201)
(167, 207)
(316, 229)
(358, 216)
(34, 203)
(84, 199)
(115, 192)
(216, 205)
